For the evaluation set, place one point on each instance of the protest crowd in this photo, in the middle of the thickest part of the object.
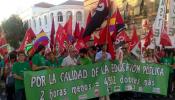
(72, 49)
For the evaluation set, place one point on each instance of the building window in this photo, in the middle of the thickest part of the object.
(34, 22)
(40, 22)
(45, 19)
(60, 17)
(51, 16)
(79, 16)
(68, 14)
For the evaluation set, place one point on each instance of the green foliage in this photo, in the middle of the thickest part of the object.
(0, 29)
(14, 30)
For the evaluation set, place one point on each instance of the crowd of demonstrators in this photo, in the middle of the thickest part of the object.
(17, 62)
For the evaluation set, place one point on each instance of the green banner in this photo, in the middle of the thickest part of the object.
(84, 82)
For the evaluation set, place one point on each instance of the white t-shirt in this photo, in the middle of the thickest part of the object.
(99, 56)
(68, 61)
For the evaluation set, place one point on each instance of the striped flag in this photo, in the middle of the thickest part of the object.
(41, 39)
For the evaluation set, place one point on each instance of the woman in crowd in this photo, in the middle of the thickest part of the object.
(38, 60)
(52, 62)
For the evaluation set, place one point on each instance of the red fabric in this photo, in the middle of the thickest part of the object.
(29, 36)
(68, 26)
(119, 19)
(77, 33)
(122, 36)
(111, 47)
(88, 19)
(103, 35)
(3, 51)
(81, 32)
(134, 40)
(148, 38)
(52, 39)
(106, 38)
(96, 41)
(80, 44)
(165, 39)
(61, 36)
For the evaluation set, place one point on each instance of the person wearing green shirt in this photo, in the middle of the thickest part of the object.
(52, 62)
(167, 60)
(84, 59)
(38, 60)
(18, 70)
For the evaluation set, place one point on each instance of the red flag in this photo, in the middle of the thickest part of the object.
(80, 44)
(100, 14)
(52, 39)
(68, 29)
(148, 38)
(29, 36)
(122, 36)
(3, 46)
(77, 34)
(134, 40)
(111, 47)
(61, 36)
(106, 38)
(88, 19)
(116, 22)
(103, 36)
(96, 40)
(165, 39)
(81, 32)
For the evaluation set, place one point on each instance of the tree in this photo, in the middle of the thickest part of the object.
(14, 30)
(0, 29)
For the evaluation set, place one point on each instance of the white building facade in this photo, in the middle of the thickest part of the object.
(39, 17)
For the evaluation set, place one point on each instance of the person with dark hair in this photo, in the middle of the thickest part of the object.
(18, 74)
(52, 61)
(84, 58)
(10, 83)
(91, 53)
(38, 60)
(167, 60)
(102, 55)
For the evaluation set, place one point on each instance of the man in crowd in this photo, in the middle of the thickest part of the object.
(18, 74)
(84, 58)
(70, 60)
(102, 55)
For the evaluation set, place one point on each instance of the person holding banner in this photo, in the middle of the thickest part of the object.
(18, 73)
(38, 60)
(52, 61)
(167, 60)
(70, 60)
(84, 58)
(103, 55)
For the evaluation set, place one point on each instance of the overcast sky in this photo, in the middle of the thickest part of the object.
(8, 7)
